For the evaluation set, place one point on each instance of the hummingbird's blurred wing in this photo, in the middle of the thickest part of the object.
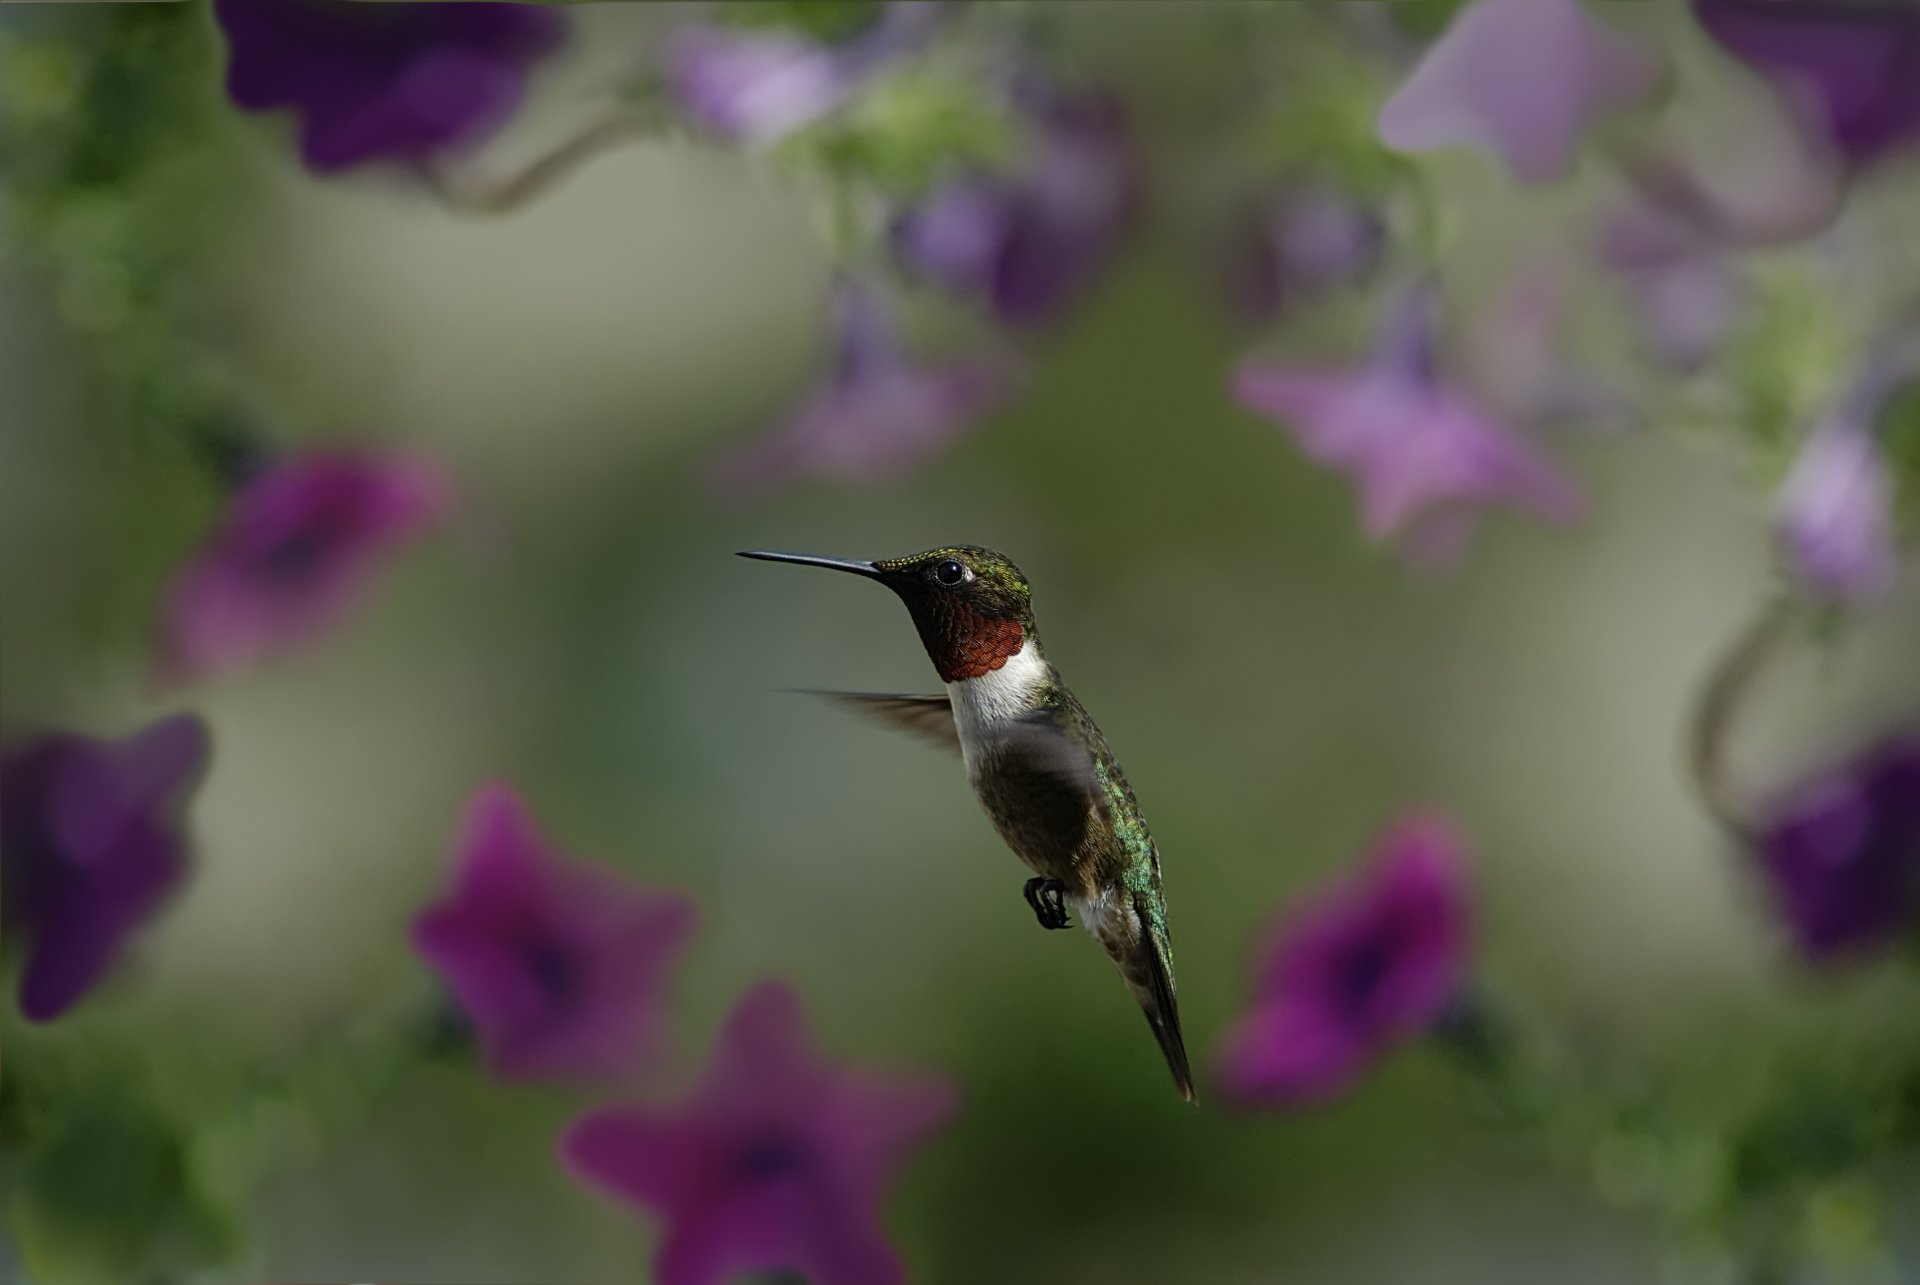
(1041, 743)
(928, 717)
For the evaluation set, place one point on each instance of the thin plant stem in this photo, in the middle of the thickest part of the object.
(1729, 689)
(543, 173)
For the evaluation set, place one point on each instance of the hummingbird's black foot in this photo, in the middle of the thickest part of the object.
(1048, 897)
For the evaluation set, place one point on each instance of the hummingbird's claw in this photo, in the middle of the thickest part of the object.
(1048, 897)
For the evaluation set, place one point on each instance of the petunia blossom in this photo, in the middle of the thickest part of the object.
(757, 87)
(1422, 454)
(295, 551)
(384, 82)
(776, 1160)
(1835, 509)
(1849, 67)
(561, 967)
(1524, 79)
(1363, 967)
(878, 414)
(1842, 851)
(92, 843)
(1296, 242)
(1029, 240)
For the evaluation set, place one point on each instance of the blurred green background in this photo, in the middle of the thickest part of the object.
(1277, 689)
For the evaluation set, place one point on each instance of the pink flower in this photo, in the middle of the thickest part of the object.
(92, 844)
(1421, 454)
(1523, 79)
(1365, 966)
(560, 966)
(298, 545)
(877, 416)
(776, 1161)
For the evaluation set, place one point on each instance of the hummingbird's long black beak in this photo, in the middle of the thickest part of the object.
(854, 565)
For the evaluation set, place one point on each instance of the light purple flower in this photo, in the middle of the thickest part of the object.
(1842, 851)
(776, 1161)
(1850, 67)
(1835, 509)
(1298, 242)
(297, 546)
(1363, 967)
(91, 844)
(757, 87)
(1524, 79)
(372, 82)
(1422, 455)
(878, 415)
(561, 967)
(1029, 240)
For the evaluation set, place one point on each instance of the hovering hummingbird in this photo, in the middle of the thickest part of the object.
(1042, 770)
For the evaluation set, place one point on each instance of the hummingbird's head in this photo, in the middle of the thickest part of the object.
(973, 607)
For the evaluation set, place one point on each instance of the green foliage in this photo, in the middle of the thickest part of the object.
(899, 137)
(830, 20)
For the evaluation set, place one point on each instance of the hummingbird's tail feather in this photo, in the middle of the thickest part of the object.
(1134, 932)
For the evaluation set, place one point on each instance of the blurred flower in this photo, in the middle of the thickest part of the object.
(1851, 68)
(1835, 509)
(757, 87)
(1299, 241)
(372, 82)
(1842, 852)
(1421, 455)
(1027, 241)
(877, 416)
(296, 548)
(776, 1160)
(1522, 78)
(91, 844)
(1365, 966)
(560, 966)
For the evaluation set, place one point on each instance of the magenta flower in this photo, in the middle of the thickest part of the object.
(296, 549)
(375, 82)
(877, 416)
(776, 1161)
(1297, 242)
(1835, 510)
(1842, 852)
(561, 967)
(1524, 79)
(1365, 966)
(758, 87)
(1422, 455)
(91, 845)
(1849, 67)
(1028, 241)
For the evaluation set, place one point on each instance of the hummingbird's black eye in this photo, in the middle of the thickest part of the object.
(949, 572)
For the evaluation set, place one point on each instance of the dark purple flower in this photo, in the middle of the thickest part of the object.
(1422, 455)
(1851, 67)
(1028, 240)
(561, 967)
(1365, 966)
(1835, 510)
(878, 414)
(91, 844)
(1297, 242)
(776, 1161)
(1842, 852)
(1523, 79)
(373, 82)
(757, 87)
(296, 548)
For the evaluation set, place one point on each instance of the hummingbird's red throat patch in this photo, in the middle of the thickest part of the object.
(981, 647)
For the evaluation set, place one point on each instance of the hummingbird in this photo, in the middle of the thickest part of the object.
(1037, 762)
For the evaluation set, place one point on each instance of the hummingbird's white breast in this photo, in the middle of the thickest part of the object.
(983, 705)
